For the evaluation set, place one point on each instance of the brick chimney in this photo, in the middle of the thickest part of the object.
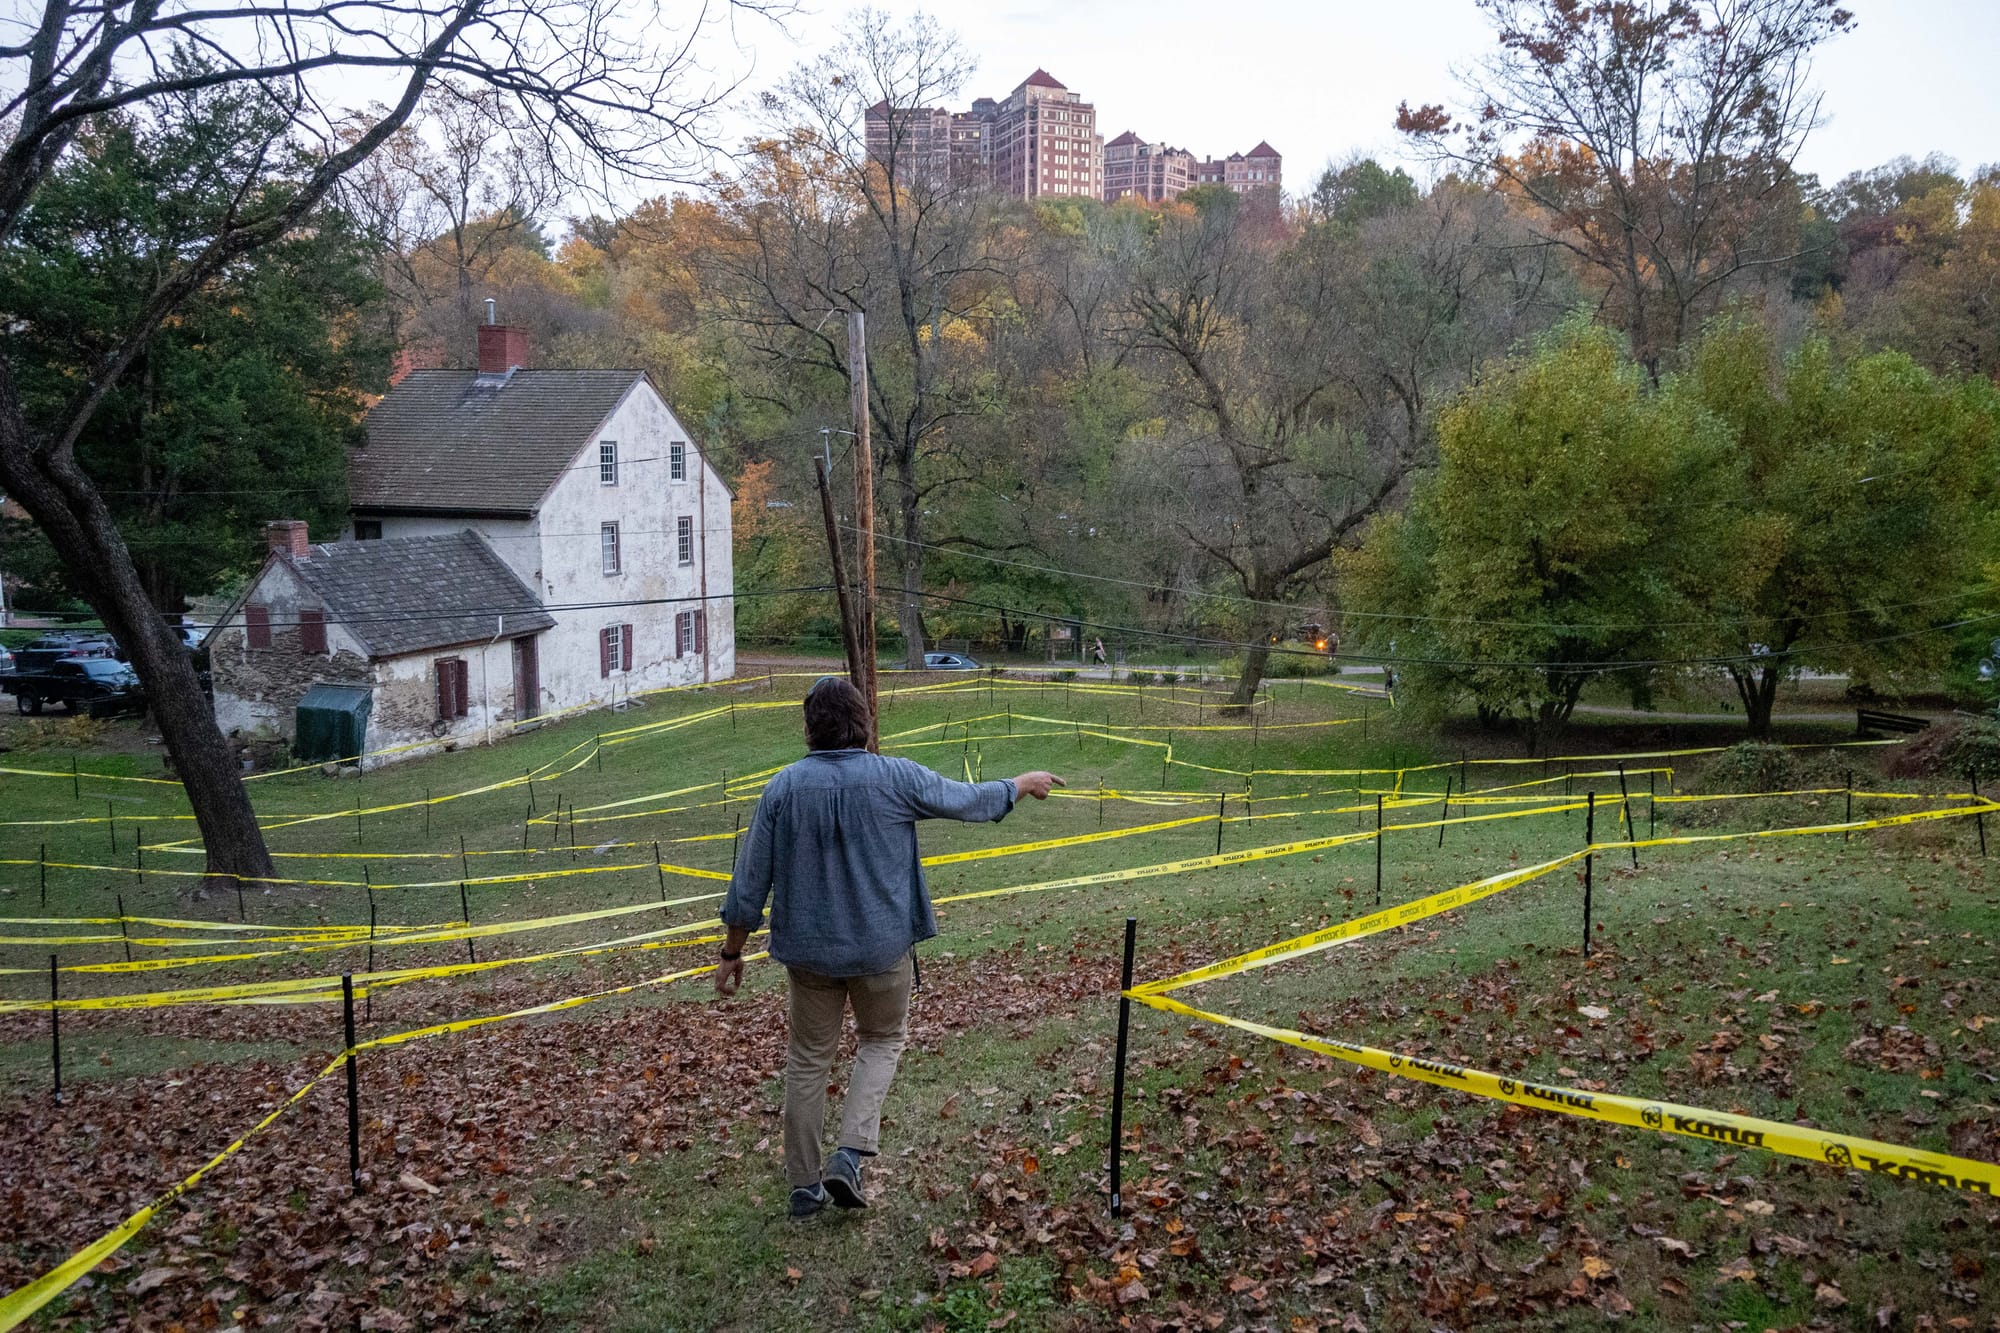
(502, 347)
(287, 536)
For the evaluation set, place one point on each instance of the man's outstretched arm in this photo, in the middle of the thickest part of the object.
(932, 796)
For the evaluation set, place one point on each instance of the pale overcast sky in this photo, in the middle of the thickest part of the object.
(1321, 79)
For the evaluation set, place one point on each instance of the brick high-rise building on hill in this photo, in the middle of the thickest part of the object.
(1043, 140)
(1135, 169)
(1262, 168)
(915, 141)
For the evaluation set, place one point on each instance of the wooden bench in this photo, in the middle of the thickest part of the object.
(1868, 720)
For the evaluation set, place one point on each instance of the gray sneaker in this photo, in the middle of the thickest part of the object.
(808, 1200)
(842, 1179)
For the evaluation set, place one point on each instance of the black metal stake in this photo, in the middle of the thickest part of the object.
(357, 819)
(139, 860)
(124, 934)
(1378, 851)
(528, 776)
(242, 911)
(1100, 800)
(1978, 819)
(1589, 840)
(464, 864)
(1631, 833)
(736, 843)
(111, 822)
(1849, 818)
(55, 1029)
(1221, 805)
(1117, 1068)
(1444, 816)
(1652, 802)
(353, 1085)
(465, 915)
(598, 752)
(659, 871)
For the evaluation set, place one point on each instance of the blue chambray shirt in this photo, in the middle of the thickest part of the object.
(833, 846)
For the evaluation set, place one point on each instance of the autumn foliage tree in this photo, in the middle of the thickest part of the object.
(594, 97)
(1575, 527)
(1652, 140)
(1867, 486)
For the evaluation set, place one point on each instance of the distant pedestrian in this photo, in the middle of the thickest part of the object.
(1097, 650)
(833, 846)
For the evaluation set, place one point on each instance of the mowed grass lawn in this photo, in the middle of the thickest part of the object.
(617, 1166)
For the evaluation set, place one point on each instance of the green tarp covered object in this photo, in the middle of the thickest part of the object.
(332, 723)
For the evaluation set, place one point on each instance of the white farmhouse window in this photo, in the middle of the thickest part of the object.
(607, 462)
(677, 461)
(684, 539)
(607, 540)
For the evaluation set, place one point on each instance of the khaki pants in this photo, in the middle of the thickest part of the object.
(881, 1018)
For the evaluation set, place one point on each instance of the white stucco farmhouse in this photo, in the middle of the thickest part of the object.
(522, 542)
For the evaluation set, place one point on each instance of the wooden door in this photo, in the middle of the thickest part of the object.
(527, 680)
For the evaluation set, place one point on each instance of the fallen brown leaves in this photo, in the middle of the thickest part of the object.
(1266, 1188)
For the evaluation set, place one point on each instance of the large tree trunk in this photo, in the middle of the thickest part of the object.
(1757, 687)
(73, 516)
(1255, 662)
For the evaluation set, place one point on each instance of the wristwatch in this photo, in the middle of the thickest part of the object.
(729, 957)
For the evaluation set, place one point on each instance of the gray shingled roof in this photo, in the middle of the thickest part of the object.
(405, 594)
(454, 441)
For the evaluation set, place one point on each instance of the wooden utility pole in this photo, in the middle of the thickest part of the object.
(848, 636)
(864, 511)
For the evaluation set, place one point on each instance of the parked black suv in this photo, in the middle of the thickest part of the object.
(100, 686)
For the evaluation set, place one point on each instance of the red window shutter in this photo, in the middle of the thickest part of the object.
(701, 632)
(447, 687)
(257, 625)
(312, 631)
(464, 674)
(626, 639)
(604, 652)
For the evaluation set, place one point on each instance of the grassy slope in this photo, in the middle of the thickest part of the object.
(1278, 1162)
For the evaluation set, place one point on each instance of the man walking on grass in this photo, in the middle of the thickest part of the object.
(833, 845)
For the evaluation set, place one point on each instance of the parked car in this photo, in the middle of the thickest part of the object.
(100, 686)
(46, 651)
(950, 662)
(6, 659)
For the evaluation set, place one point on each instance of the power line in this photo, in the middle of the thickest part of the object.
(1724, 659)
(1345, 613)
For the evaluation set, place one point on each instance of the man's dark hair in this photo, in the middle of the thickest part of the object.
(836, 716)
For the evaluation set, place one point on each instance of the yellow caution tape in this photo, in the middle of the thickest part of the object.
(21, 1303)
(1448, 899)
(1722, 1127)
(94, 777)
(388, 936)
(327, 987)
(1076, 840)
